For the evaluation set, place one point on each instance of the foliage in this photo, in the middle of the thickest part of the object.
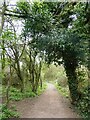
(82, 78)
(83, 104)
(41, 90)
(16, 94)
(62, 81)
(7, 112)
(83, 87)
(28, 94)
(63, 90)
(37, 17)
(54, 71)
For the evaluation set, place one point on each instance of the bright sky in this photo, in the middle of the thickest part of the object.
(14, 1)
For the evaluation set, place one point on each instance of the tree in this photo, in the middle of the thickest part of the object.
(12, 50)
(54, 29)
(82, 25)
(38, 30)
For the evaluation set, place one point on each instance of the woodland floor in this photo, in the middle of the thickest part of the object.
(48, 105)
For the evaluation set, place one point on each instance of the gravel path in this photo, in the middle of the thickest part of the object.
(48, 105)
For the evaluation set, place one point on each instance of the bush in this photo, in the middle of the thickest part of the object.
(63, 90)
(83, 88)
(82, 78)
(84, 104)
(62, 81)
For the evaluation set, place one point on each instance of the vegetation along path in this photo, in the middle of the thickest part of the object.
(48, 105)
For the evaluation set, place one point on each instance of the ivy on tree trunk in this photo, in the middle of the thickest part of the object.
(70, 64)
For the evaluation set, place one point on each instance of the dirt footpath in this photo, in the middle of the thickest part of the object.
(48, 105)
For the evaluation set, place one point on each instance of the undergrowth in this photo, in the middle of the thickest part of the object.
(8, 112)
(16, 95)
(63, 90)
(83, 104)
(41, 90)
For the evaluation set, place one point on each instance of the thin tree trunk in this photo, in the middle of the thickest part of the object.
(89, 61)
(40, 67)
(20, 75)
(8, 87)
(2, 17)
(33, 75)
(3, 56)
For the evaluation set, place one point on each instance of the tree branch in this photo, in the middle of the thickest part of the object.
(14, 15)
(22, 51)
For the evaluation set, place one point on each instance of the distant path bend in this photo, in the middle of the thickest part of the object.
(48, 105)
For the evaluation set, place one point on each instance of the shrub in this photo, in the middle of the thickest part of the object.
(84, 104)
(63, 90)
(62, 81)
(82, 78)
(83, 88)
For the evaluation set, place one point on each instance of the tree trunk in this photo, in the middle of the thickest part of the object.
(89, 60)
(40, 67)
(72, 81)
(8, 87)
(3, 60)
(1, 28)
(70, 64)
(20, 75)
(3, 55)
(40, 82)
(33, 75)
(2, 17)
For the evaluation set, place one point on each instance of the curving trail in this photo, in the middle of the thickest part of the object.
(48, 105)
